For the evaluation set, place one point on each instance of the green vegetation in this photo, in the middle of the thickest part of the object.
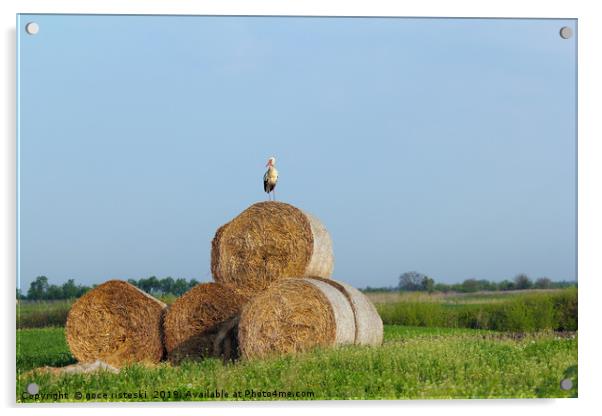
(41, 347)
(41, 289)
(475, 345)
(419, 282)
(42, 313)
(504, 311)
(413, 363)
(524, 312)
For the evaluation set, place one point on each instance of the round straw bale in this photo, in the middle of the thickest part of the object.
(295, 315)
(342, 311)
(117, 323)
(195, 319)
(368, 323)
(269, 241)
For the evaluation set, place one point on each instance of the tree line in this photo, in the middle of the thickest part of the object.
(415, 281)
(41, 289)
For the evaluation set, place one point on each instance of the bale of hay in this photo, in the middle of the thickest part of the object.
(269, 241)
(117, 323)
(291, 316)
(368, 323)
(295, 315)
(195, 319)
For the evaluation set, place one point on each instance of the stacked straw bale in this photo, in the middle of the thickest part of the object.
(269, 241)
(272, 294)
(117, 323)
(295, 315)
(195, 321)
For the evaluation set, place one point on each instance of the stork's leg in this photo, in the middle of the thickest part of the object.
(274, 191)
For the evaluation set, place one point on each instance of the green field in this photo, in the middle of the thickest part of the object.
(526, 311)
(415, 362)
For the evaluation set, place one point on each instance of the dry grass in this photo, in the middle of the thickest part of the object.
(116, 323)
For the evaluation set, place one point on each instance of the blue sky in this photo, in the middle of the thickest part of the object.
(445, 146)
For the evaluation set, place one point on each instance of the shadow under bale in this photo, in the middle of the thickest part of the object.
(199, 323)
(226, 343)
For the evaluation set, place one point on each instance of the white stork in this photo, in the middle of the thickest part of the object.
(270, 178)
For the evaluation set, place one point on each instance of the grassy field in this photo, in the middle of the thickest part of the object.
(413, 363)
(435, 347)
(456, 298)
(525, 311)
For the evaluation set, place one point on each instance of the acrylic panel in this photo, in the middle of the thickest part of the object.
(295, 208)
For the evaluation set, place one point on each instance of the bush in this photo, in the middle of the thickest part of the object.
(565, 310)
(40, 314)
(522, 313)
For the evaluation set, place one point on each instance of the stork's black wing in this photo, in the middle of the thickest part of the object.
(267, 185)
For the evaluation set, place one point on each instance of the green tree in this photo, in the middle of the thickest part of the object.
(70, 290)
(149, 285)
(522, 281)
(486, 285)
(167, 285)
(506, 285)
(180, 287)
(54, 292)
(442, 287)
(428, 284)
(470, 285)
(412, 281)
(154, 285)
(543, 283)
(38, 288)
